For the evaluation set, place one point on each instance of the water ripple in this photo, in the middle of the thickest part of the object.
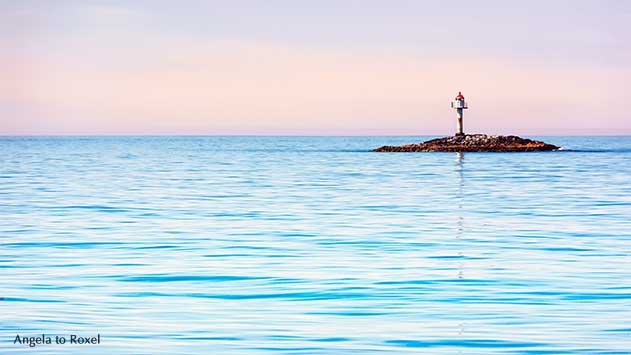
(314, 245)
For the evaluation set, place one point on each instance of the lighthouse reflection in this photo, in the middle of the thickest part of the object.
(460, 219)
(460, 227)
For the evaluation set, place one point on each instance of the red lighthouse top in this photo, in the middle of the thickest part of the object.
(459, 97)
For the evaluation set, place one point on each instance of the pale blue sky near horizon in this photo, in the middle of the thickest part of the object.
(307, 67)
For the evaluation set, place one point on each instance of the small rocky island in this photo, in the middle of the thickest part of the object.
(473, 143)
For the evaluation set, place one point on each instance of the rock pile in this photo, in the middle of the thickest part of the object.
(473, 143)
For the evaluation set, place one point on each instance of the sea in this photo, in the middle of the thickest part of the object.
(312, 245)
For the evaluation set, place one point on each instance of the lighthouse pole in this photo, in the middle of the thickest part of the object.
(459, 104)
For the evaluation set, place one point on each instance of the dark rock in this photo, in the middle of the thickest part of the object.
(473, 143)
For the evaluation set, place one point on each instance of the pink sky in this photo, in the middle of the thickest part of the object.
(103, 69)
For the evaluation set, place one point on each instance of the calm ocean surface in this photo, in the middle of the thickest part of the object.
(314, 245)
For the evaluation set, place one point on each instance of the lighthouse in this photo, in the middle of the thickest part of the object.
(459, 104)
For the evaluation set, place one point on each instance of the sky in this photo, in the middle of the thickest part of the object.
(325, 67)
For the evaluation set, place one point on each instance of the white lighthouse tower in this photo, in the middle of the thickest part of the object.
(459, 104)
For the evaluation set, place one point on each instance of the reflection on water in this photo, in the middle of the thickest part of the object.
(314, 245)
(460, 223)
(460, 228)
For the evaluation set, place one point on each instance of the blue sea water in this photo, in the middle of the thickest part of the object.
(314, 245)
